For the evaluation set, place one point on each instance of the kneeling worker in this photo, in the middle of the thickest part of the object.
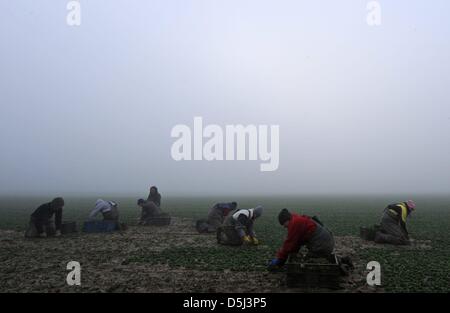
(109, 210)
(303, 231)
(393, 224)
(216, 217)
(41, 219)
(237, 228)
(149, 211)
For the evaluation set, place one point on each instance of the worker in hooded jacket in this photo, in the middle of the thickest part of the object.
(108, 209)
(41, 223)
(393, 224)
(237, 229)
(154, 196)
(216, 217)
(149, 210)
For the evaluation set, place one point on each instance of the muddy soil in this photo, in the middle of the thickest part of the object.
(39, 265)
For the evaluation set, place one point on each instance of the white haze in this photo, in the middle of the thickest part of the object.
(90, 109)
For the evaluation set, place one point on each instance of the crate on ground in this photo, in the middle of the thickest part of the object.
(313, 273)
(161, 220)
(99, 226)
(68, 227)
(368, 233)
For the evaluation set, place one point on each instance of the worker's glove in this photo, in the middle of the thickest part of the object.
(58, 233)
(275, 265)
(43, 235)
(255, 241)
(246, 240)
(275, 262)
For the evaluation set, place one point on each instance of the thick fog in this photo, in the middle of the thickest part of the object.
(91, 108)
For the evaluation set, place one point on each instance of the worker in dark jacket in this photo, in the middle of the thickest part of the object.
(149, 210)
(393, 224)
(154, 196)
(237, 229)
(303, 231)
(215, 218)
(41, 224)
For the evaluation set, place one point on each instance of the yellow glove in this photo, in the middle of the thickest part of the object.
(246, 240)
(255, 241)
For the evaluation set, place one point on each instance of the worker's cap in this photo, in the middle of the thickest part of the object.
(258, 211)
(284, 216)
(411, 205)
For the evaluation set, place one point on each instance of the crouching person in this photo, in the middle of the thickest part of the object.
(154, 196)
(216, 217)
(41, 224)
(108, 209)
(393, 224)
(149, 210)
(237, 228)
(303, 231)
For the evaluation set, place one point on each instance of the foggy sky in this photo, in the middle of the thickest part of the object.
(89, 109)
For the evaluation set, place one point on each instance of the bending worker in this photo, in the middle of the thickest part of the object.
(393, 224)
(303, 231)
(41, 224)
(216, 217)
(237, 228)
(109, 210)
(149, 210)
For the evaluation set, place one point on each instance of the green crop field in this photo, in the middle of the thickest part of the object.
(403, 270)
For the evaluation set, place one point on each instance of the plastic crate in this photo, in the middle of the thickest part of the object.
(161, 220)
(68, 227)
(368, 233)
(306, 274)
(99, 226)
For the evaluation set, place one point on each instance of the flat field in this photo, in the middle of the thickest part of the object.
(177, 259)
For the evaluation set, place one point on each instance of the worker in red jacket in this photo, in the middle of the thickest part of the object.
(303, 231)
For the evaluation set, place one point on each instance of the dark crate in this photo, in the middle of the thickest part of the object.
(68, 228)
(162, 220)
(368, 233)
(306, 274)
(99, 226)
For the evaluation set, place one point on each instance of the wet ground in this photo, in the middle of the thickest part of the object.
(107, 263)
